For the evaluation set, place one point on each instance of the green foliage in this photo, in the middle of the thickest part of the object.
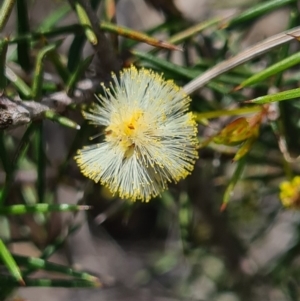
(248, 114)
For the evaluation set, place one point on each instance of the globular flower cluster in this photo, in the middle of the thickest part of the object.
(150, 137)
(290, 193)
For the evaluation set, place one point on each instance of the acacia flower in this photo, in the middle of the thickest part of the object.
(290, 193)
(149, 138)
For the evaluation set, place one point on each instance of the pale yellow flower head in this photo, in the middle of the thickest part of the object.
(150, 138)
(290, 193)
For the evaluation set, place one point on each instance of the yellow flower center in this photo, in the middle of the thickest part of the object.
(125, 131)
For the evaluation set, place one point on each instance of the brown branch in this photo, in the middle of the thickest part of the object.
(14, 113)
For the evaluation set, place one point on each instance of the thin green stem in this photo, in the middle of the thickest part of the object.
(5, 12)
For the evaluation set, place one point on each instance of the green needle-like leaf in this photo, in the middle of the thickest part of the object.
(256, 11)
(59, 241)
(3, 51)
(136, 35)
(234, 179)
(3, 153)
(272, 70)
(21, 86)
(61, 283)
(62, 120)
(178, 70)
(285, 95)
(9, 283)
(166, 65)
(61, 68)
(86, 23)
(41, 264)
(193, 30)
(38, 73)
(40, 208)
(5, 12)
(221, 113)
(10, 263)
(55, 17)
(77, 74)
(41, 163)
(23, 47)
(22, 147)
(75, 51)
